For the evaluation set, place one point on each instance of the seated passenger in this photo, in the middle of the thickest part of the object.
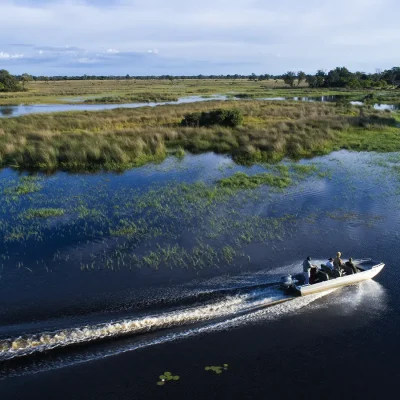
(337, 262)
(349, 267)
(329, 264)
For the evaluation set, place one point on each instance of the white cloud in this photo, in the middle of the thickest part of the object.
(86, 60)
(309, 34)
(5, 56)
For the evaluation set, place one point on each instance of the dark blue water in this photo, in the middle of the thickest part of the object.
(58, 287)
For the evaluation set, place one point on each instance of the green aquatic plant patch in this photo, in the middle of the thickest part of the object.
(242, 181)
(26, 185)
(194, 225)
(218, 369)
(166, 377)
(44, 213)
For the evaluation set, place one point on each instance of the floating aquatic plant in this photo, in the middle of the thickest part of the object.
(218, 369)
(167, 376)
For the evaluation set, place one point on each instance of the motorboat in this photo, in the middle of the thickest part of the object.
(325, 280)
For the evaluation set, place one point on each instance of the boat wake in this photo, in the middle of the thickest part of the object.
(231, 305)
(229, 309)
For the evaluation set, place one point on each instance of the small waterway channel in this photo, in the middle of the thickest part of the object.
(16, 111)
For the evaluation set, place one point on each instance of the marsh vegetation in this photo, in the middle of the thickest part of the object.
(125, 138)
(135, 90)
(183, 223)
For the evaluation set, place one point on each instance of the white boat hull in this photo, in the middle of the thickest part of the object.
(304, 290)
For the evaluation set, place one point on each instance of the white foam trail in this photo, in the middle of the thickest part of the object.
(271, 311)
(28, 344)
(368, 297)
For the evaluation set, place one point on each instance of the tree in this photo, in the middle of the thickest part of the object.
(312, 81)
(289, 78)
(340, 77)
(392, 75)
(25, 78)
(8, 82)
(320, 77)
(301, 76)
(253, 77)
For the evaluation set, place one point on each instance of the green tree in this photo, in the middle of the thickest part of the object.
(320, 78)
(289, 78)
(392, 75)
(312, 81)
(253, 77)
(9, 83)
(25, 78)
(301, 77)
(340, 77)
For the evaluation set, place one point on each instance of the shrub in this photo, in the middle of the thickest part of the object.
(8, 83)
(229, 118)
(192, 120)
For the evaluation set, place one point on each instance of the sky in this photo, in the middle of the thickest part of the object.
(186, 37)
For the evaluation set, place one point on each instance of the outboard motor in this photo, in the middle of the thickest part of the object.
(287, 282)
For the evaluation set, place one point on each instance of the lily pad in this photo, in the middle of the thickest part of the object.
(217, 368)
(167, 376)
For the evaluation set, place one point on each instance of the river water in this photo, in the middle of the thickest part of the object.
(156, 269)
(16, 111)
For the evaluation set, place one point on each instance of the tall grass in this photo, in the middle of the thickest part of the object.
(123, 138)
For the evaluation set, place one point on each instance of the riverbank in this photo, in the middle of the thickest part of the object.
(125, 138)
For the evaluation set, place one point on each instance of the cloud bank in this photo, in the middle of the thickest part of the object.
(153, 37)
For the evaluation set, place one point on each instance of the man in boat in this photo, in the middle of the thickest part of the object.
(338, 264)
(328, 268)
(349, 267)
(307, 268)
(329, 264)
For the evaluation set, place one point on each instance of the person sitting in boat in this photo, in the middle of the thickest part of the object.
(338, 264)
(307, 268)
(349, 267)
(329, 264)
(329, 269)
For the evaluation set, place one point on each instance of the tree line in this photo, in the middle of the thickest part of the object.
(339, 77)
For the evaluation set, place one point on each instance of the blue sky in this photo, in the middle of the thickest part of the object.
(185, 37)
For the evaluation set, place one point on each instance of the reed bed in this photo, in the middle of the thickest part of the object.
(125, 138)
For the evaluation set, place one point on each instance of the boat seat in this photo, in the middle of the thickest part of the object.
(331, 274)
(322, 276)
